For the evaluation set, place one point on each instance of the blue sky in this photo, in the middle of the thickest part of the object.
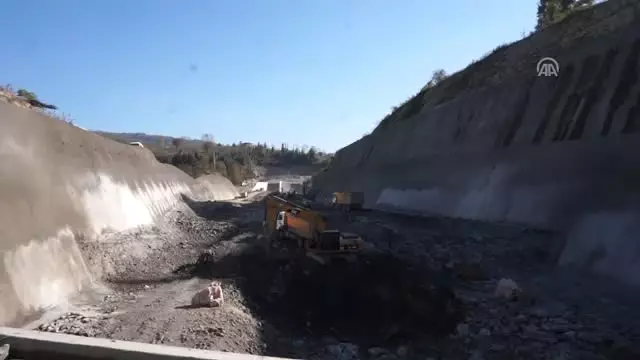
(314, 72)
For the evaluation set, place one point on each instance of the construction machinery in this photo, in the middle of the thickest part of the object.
(274, 186)
(348, 200)
(305, 231)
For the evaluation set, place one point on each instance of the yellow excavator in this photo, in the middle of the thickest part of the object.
(348, 201)
(305, 231)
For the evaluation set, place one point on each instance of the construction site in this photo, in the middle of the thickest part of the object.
(494, 216)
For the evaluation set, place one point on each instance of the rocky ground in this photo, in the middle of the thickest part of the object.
(426, 288)
(556, 313)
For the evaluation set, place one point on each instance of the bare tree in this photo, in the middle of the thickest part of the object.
(312, 152)
(437, 77)
(177, 142)
(208, 146)
(207, 138)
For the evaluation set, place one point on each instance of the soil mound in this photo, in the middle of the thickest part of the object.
(377, 299)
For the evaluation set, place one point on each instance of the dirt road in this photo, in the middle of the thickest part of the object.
(150, 293)
(424, 288)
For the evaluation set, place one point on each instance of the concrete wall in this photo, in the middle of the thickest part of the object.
(555, 152)
(29, 344)
(58, 184)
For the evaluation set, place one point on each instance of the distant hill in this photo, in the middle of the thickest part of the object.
(195, 157)
(161, 141)
(236, 161)
(149, 140)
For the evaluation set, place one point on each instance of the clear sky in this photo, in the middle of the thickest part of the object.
(314, 72)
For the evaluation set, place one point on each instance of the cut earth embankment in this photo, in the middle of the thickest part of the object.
(60, 185)
(497, 142)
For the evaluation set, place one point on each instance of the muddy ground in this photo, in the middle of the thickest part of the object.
(423, 289)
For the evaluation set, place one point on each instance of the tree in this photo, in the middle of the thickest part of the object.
(207, 142)
(33, 100)
(549, 12)
(437, 76)
(553, 11)
(177, 142)
(312, 153)
(208, 146)
(234, 171)
(27, 94)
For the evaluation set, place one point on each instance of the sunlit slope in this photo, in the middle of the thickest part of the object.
(60, 185)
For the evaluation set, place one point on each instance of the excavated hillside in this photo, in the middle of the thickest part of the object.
(497, 142)
(63, 189)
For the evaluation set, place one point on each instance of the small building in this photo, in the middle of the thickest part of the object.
(136, 143)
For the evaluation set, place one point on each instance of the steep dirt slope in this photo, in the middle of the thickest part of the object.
(497, 142)
(60, 185)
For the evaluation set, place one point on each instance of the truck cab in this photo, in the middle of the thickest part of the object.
(286, 220)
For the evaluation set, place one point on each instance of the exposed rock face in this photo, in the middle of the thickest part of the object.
(497, 142)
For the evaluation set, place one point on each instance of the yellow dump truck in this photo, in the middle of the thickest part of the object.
(306, 230)
(348, 200)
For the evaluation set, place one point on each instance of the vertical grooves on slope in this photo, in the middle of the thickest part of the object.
(366, 155)
(565, 117)
(628, 78)
(589, 65)
(593, 94)
(575, 102)
(564, 79)
(462, 126)
(458, 128)
(521, 108)
(633, 123)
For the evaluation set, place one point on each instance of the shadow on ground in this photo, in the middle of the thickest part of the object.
(375, 301)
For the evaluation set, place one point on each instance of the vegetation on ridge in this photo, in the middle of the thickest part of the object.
(486, 71)
(26, 96)
(553, 11)
(195, 157)
(236, 161)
